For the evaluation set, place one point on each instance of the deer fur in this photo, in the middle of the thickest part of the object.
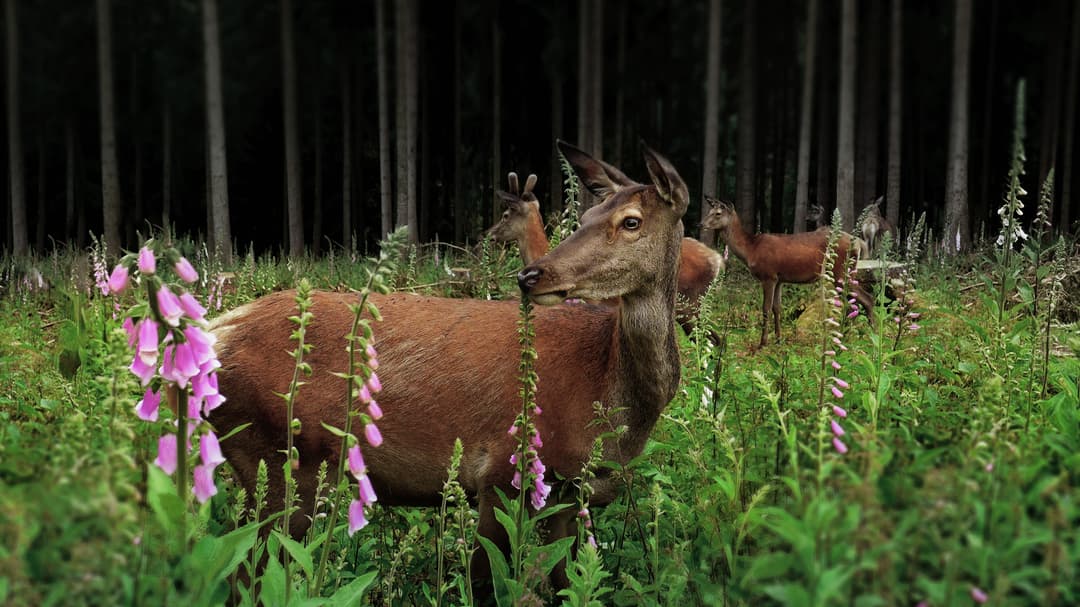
(874, 227)
(521, 222)
(775, 259)
(449, 367)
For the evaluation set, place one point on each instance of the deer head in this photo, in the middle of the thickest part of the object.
(518, 207)
(721, 214)
(816, 214)
(627, 245)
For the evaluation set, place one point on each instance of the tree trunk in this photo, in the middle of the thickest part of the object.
(41, 215)
(845, 135)
(408, 8)
(896, 112)
(292, 133)
(17, 194)
(69, 182)
(166, 167)
(584, 73)
(215, 131)
(401, 130)
(1050, 116)
(745, 169)
(461, 206)
(208, 196)
(825, 186)
(1070, 123)
(136, 153)
(346, 157)
(596, 80)
(620, 84)
(866, 153)
(317, 210)
(806, 115)
(386, 192)
(956, 186)
(712, 113)
(988, 112)
(496, 114)
(557, 122)
(110, 174)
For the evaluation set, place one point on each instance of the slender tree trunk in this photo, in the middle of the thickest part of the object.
(1050, 116)
(461, 206)
(410, 103)
(896, 112)
(208, 198)
(110, 175)
(69, 181)
(136, 156)
(317, 210)
(869, 86)
(596, 80)
(956, 187)
(1070, 124)
(584, 68)
(41, 216)
(988, 111)
(745, 169)
(401, 129)
(386, 192)
(712, 113)
(496, 113)
(346, 157)
(292, 133)
(806, 116)
(17, 194)
(79, 171)
(845, 152)
(620, 84)
(166, 166)
(425, 201)
(215, 129)
(825, 192)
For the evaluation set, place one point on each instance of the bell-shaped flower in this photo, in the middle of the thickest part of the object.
(192, 308)
(166, 457)
(185, 271)
(367, 492)
(837, 429)
(118, 280)
(356, 462)
(169, 306)
(131, 330)
(839, 445)
(142, 370)
(374, 437)
(201, 342)
(204, 483)
(147, 263)
(147, 408)
(364, 394)
(148, 341)
(839, 411)
(357, 521)
(836, 392)
(374, 410)
(374, 383)
(210, 450)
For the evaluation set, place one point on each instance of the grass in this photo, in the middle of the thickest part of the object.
(961, 477)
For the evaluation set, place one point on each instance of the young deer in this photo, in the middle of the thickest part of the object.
(775, 259)
(449, 367)
(816, 215)
(521, 222)
(874, 226)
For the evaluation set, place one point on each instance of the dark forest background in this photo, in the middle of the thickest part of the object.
(472, 90)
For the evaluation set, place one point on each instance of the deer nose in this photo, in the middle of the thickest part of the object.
(528, 278)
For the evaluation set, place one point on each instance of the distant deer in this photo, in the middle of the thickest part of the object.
(874, 226)
(449, 367)
(521, 221)
(816, 215)
(775, 259)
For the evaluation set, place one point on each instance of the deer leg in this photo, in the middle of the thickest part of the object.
(776, 307)
(561, 525)
(766, 305)
(488, 527)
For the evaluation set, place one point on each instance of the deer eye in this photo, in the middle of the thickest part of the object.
(506, 214)
(631, 223)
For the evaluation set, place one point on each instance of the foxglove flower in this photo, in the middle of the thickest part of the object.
(192, 308)
(210, 450)
(839, 445)
(118, 280)
(147, 408)
(979, 595)
(148, 342)
(166, 457)
(202, 344)
(839, 411)
(374, 410)
(147, 263)
(374, 437)
(185, 271)
(204, 487)
(142, 370)
(356, 517)
(169, 306)
(837, 429)
(374, 383)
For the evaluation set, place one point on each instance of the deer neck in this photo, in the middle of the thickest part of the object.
(738, 239)
(533, 243)
(647, 361)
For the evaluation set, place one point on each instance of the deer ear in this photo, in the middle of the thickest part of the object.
(668, 183)
(713, 202)
(507, 198)
(530, 183)
(598, 176)
(511, 177)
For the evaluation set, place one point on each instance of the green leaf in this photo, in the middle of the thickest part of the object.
(552, 553)
(351, 594)
(297, 551)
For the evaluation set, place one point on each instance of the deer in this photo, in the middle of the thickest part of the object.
(775, 259)
(521, 222)
(816, 215)
(449, 367)
(874, 226)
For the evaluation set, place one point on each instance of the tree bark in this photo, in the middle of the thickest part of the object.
(346, 157)
(620, 84)
(1070, 123)
(40, 216)
(596, 80)
(292, 133)
(806, 116)
(496, 114)
(386, 192)
(461, 207)
(825, 184)
(1052, 78)
(215, 132)
(17, 194)
(896, 112)
(166, 166)
(845, 136)
(317, 207)
(410, 102)
(988, 111)
(69, 181)
(745, 169)
(956, 186)
(869, 96)
(110, 173)
(712, 113)
(557, 122)
(584, 73)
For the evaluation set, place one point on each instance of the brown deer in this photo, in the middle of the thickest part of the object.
(816, 215)
(521, 222)
(775, 259)
(449, 367)
(874, 227)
